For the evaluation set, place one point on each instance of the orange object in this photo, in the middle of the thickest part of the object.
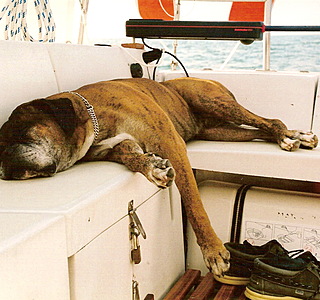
(152, 9)
(133, 46)
(247, 11)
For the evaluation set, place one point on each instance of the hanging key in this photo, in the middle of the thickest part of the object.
(135, 247)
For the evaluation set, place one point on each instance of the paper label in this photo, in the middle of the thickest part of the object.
(291, 237)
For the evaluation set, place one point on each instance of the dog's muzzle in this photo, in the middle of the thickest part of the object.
(22, 162)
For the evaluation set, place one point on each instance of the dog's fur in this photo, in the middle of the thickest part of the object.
(144, 125)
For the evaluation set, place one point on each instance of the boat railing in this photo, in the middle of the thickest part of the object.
(267, 30)
(267, 21)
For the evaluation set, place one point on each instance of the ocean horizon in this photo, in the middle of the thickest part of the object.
(293, 52)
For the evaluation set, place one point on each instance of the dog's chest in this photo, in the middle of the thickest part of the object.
(101, 149)
(86, 145)
(111, 142)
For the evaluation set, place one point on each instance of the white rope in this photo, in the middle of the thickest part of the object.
(164, 10)
(16, 27)
(233, 51)
(84, 5)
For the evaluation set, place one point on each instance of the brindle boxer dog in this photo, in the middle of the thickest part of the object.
(144, 125)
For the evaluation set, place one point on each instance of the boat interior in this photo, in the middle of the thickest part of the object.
(69, 237)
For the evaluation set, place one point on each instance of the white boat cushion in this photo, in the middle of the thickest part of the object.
(280, 95)
(26, 73)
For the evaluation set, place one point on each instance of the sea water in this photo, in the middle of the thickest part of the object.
(298, 52)
(288, 53)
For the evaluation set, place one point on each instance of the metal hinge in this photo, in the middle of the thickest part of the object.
(135, 229)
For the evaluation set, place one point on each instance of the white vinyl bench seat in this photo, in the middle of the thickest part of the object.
(92, 196)
(257, 158)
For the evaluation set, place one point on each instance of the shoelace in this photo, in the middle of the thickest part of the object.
(295, 253)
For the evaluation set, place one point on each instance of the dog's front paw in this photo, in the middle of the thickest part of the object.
(161, 172)
(217, 259)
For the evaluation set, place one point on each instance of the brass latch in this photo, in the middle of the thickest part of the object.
(135, 229)
(135, 290)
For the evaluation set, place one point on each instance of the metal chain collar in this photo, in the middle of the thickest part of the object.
(91, 113)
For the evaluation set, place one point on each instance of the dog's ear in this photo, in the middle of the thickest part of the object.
(61, 110)
(2, 147)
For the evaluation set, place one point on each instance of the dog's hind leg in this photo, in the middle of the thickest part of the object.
(232, 133)
(213, 99)
(272, 130)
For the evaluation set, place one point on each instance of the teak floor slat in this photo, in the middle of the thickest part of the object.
(184, 285)
(191, 286)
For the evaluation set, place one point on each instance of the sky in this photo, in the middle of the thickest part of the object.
(108, 17)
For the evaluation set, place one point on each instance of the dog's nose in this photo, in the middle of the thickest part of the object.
(49, 170)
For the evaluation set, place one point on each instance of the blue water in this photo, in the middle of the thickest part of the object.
(288, 52)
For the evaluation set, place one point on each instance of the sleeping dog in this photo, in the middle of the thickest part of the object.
(143, 125)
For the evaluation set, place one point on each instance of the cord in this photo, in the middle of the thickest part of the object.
(167, 52)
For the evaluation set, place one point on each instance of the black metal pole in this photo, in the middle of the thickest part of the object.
(291, 28)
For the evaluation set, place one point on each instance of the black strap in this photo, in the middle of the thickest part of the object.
(238, 213)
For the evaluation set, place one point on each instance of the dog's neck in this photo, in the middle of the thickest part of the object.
(91, 113)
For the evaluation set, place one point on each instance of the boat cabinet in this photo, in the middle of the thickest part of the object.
(140, 254)
(95, 236)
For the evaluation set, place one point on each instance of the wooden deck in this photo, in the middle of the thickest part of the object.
(193, 286)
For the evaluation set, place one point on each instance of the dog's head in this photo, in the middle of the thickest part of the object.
(35, 138)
